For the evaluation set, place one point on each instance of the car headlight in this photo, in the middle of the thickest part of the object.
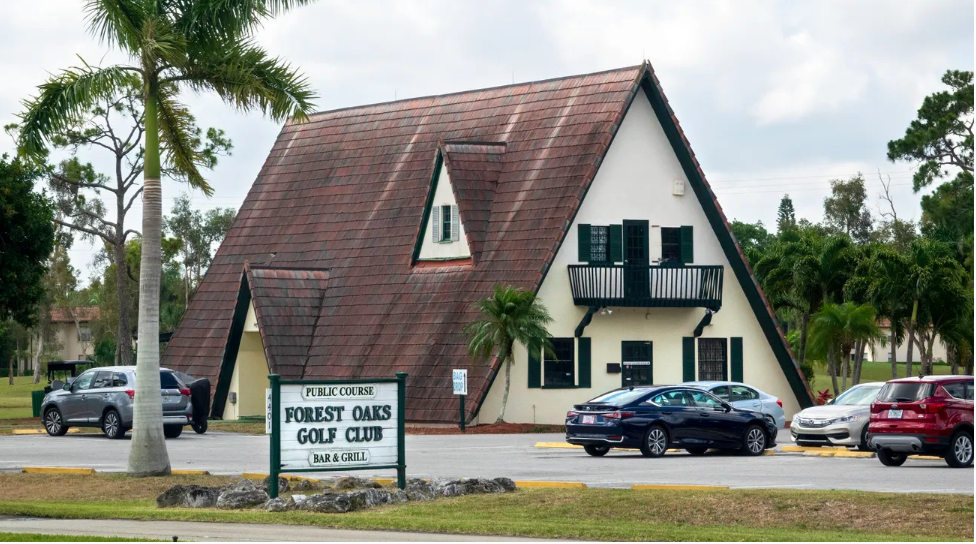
(796, 417)
(847, 419)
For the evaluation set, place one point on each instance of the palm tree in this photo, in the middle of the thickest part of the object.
(932, 270)
(887, 290)
(835, 329)
(174, 45)
(510, 315)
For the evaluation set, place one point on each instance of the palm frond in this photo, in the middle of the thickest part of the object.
(246, 77)
(179, 142)
(116, 22)
(216, 20)
(66, 96)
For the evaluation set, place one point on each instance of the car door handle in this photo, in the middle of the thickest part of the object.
(703, 414)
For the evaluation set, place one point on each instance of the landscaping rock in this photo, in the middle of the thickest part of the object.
(283, 484)
(507, 484)
(480, 485)
(450, 488)
(399, 495)
(368, 498)
(245, 498)
(188, 496)
(354, 482)
(420, 490)
(299, 499)
(329, 503)
(242, 485)
(303, 485)
(279, 504)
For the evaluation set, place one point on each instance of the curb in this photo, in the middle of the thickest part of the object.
(57, 470)
(190, 472)
(644, 487)
(558, 485)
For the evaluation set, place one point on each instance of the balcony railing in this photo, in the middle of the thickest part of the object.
(689, 286)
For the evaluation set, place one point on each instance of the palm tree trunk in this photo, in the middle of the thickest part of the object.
(969, 362)
(894, 349)
(928, 353)
(508, 383)
(952, 353)
(832, 369)
(40, 352)
(858, 361)
(911, 340)
(804, 322)
(123, 346)
(148, 456)
(846, 367)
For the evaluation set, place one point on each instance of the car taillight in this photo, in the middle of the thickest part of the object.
(874, 408)
(571, 414)
(932, 407)
(131, 393)
(779, 402)
(185, 391)
(618, 415)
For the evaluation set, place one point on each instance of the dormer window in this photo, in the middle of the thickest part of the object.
(446, 224)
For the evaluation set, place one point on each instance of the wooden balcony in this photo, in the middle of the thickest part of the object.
(688, 286)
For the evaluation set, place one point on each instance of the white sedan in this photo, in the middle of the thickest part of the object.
(746, 397)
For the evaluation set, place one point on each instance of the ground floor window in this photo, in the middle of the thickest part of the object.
(712, 359)
(560, 367)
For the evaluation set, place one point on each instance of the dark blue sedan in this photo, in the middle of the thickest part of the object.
(656, 418)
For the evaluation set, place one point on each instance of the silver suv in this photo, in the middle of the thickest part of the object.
(102, 397)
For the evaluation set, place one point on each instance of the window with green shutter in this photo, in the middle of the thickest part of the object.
(735, 346)
(535, 367)
(616, 243)
(584, 371)
(687, 245)
(583, 239)
(593, 244)
(688, 359)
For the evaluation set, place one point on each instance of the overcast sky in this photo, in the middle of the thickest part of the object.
(775, 97)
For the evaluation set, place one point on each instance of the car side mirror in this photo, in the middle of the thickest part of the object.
(727, 407)
(831, 401)
(67, 387)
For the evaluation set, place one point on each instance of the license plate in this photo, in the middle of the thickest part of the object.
(894, 414)
(589, 420)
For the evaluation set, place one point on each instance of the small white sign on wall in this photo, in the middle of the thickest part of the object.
(267, 411)
(460, 380)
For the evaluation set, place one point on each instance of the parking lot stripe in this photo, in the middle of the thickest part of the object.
(668, 486)
(560, 485)
(58, 470)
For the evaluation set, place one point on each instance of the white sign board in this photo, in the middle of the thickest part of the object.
(326, 426)
(460, 379)
(267, 411)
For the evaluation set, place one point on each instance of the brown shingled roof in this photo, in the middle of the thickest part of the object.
(346, 192)
(84, 314)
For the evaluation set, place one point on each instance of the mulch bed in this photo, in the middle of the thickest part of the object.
(495, 428)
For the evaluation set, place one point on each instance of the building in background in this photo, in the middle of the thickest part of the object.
(72, 331)
(879, 352)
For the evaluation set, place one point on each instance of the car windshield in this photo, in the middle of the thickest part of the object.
(620, 396)
(858, 396)
(905, 392)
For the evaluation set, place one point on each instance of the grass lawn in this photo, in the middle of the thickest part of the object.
(589, 514)
(872, 371)
(37, 537)
(15, 404)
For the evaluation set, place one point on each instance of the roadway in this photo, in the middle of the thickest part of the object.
(514, 456)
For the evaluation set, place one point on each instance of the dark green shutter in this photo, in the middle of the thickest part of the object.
(584, 243)
(616, 243)
(584, 362)
(688, 359)
(736, 349)
(535, 367)
(687, 245)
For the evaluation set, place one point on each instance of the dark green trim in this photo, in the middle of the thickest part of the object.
(438, 163)
(535, 367)
(687, 244)
(721, 230)
(401, 379)
(338, 382)
(336, 469)
(584, 362)
(231, 347)
(688, 359)
(275, 464)
(615, 243)
(583, 243)
(735, 354)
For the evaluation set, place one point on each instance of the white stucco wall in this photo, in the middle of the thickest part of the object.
(878, 352)
(71, 347)
(635, 181)
(445, 249)
(250, 377)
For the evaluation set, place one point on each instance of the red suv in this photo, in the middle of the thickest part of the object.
(929, 415)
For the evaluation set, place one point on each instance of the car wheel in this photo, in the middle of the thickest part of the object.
(53, 423)
(112, 425)
(199, 428)
(597, 451)
(172, 431)
(863, 445)
(960, 454)
(696, 451)
(754, 440)
(889, 458)
(655, 442)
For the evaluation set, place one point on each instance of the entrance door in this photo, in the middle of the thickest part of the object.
(637, 363)
(637, 275)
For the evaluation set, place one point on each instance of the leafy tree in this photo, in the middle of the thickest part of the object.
(198, 233)
(786, 215)
(834, 330)
(115, 124)
(510, 315)
(205, 45)
(887, 290)
(26, 239)
(845, 210)
(753, 238)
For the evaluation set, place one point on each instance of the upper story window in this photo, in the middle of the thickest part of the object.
(670, 245)
(559, 371)
(446, 224)
(599, 244)
(608, 244)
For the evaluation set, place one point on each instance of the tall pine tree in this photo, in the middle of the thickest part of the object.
(786, 216)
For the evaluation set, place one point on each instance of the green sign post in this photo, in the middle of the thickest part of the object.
(337, 425)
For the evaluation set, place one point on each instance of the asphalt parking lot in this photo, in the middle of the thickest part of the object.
(514, 456)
